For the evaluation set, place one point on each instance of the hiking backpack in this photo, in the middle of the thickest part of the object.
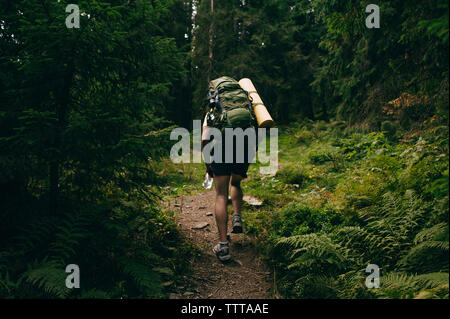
(233, 107)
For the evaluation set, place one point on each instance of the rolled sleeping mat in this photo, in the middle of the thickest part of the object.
(262, 115)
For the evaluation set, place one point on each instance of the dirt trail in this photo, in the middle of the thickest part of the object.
(245, 277)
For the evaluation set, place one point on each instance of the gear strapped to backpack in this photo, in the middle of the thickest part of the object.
(233, 107)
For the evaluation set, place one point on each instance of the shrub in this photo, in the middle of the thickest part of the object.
(304, 137)
(320, 156)
(293, 174)
(297, 219)
(388, 128)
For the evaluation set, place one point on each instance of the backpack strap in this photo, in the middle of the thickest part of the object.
(220, 103)
(250, 100)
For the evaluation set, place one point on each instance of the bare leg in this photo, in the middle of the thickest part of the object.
(236, 193)
(221, 184)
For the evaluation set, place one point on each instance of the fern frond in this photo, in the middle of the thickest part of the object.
(315, 252)
(34, 234)
(362, 242)
(352, 285)
(399, 285)
(144, 276)
(316, 286)
(429, 255)
(72, 228)
(401, 216)
(428, 234)
(434, 279)
(432, 244)
(49, 278)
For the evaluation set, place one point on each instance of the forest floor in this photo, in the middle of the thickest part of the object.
(246, 276)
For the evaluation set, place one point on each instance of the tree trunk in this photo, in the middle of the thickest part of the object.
(211, 38)
(324, 115)
(54, 189)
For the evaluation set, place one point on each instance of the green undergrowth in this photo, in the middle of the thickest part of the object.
(346, 197)
(118, 231)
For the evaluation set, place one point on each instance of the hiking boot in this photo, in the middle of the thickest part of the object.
(222, 252)
(237, 224)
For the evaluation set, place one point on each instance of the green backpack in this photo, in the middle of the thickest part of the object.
(233, 108)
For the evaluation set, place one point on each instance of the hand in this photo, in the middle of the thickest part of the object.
(209, 170)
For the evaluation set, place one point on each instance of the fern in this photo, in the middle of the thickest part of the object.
(48, 277)
(8, 287)
(352, 285)
(72, 228)
(316, 253)
(316, 286)
(34, 234)
(363, 244)
(431, 244)
(146, 279)
(438, 286)
(399, 286)
(401, 217)
(430, 233)
(430, 252)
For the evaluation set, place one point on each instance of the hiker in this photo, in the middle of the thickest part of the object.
(229, 107)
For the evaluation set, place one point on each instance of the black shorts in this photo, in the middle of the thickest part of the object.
(239, 167)
(226, 169)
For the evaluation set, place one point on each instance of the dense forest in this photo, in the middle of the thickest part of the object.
(86, 115)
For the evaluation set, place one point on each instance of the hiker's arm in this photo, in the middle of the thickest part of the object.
(207, 157)
(205, 138)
